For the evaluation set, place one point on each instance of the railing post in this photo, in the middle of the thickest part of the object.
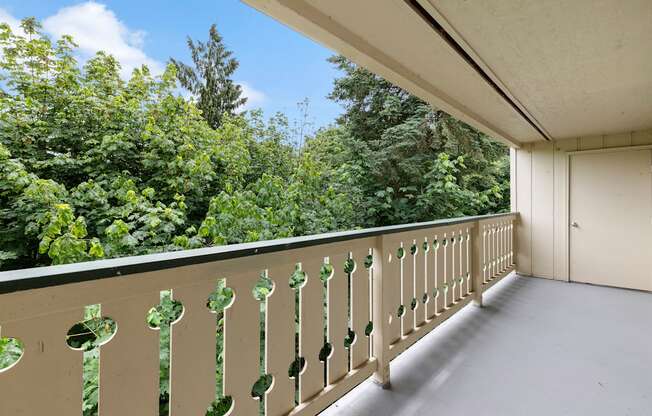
(380, 322)
(516, 220)
(476, 263)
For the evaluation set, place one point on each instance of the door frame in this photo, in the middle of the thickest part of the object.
(568, 190)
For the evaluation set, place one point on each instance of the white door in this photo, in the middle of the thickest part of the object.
(611, 218)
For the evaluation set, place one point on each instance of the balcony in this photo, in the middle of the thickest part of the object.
(391, 305)
(537, 347)
(383, 290)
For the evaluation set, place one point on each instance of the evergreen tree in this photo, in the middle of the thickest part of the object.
(412, 162)
(209, 80)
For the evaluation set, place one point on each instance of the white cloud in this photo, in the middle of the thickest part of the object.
(14, 24)
(95, 28)
(254, 97)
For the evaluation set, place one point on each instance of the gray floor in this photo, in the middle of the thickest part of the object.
(538, 347)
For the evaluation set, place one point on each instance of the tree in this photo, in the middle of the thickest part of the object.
(210, 79)
(94, 166)
(411, 162)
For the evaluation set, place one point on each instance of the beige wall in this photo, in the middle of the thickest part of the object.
(539, 194)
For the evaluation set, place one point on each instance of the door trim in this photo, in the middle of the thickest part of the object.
(568, 190)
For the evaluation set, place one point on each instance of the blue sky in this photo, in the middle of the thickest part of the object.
(278, 67)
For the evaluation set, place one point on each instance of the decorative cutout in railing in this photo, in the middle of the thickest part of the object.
(333, 310)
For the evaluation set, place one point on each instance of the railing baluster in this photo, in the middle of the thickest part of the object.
(383, 308)
(449, 267)
(360, 308)
(242, 343)
(192, 352)
(392, 290)
(503, 245)
(430, 269)
(311, 332)
(440, 266)
(464, 266)
(408, 287)
(477, 261)
(419, 283)
(512, 243)
(129, 362)
(338, 318)
(457, 266)
(496, 249)
(279, 347)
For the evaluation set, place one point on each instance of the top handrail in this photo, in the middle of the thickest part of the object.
(41, 277)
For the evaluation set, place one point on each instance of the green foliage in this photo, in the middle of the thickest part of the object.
(161, 317)
(408, 162)
(10, 352)
(220, 407)
(94, 166)
(261, 386)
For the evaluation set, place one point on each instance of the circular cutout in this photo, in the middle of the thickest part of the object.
(264, 287)
(326, 272)
(425, 246)
(369, 329)
(435, 244)
(167, 312)
(262, 386)
(401, 311)
(296, 367)
(349, 266)
(414, 303)
(425, 298)
(91, 333)
(11, 351)
(325, 352)
(220, 407)
(368, 261)
(400, 253)
(220, 298)
(349, 339)
(435, 292)
(413, 249)
(298, 279)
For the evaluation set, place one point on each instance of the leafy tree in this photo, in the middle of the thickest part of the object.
(210, 78)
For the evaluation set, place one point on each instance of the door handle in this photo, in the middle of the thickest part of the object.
(574, 224)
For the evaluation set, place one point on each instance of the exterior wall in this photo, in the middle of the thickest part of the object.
(539, 193)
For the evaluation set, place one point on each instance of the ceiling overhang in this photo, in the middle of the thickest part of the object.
(520, 71)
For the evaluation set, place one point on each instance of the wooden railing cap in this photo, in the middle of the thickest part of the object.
(40, 277)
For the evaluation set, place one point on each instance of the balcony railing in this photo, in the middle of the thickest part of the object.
(384, 289)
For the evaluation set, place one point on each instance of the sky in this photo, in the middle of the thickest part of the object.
(278, 66)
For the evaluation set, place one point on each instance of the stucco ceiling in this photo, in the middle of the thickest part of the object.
(580, 67)
(521, 71)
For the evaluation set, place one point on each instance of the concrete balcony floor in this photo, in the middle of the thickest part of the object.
(537, 347)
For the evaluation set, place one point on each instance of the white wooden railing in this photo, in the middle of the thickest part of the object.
(388, 287)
